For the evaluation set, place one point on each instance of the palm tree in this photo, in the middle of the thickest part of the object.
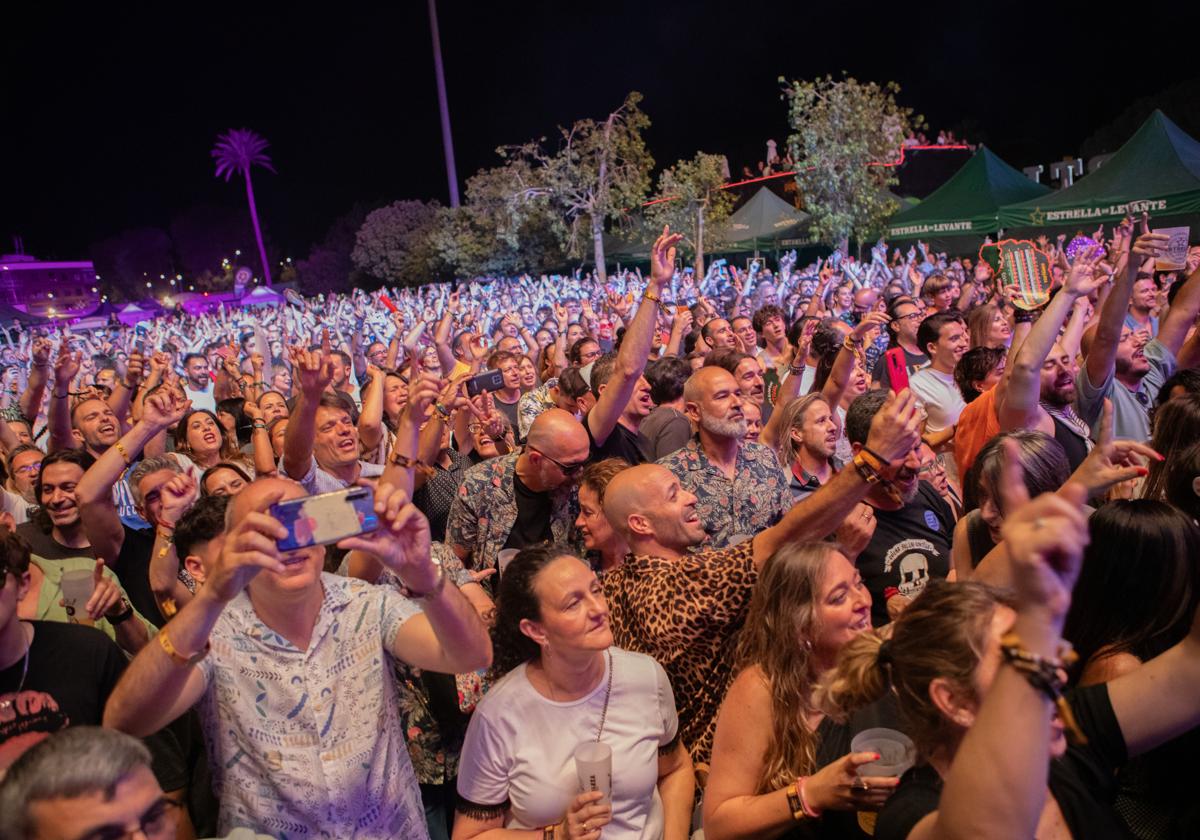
(238, 150)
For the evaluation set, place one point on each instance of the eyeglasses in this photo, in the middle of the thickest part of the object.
(29, 468)
(567, 469)
(158, 823)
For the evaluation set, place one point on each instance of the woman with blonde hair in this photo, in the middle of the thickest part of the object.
(779, 766)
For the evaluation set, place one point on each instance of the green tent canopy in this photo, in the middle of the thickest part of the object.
(967, 204)
(759, 224)
(1157, 170)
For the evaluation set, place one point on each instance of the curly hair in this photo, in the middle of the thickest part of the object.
(516, 601)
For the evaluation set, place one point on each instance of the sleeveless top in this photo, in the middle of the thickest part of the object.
(1074, 445)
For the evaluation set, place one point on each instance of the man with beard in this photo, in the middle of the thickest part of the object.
(748, 373)
(622, 393)
(718, 334)
(808, 440)
(1130, 371)
(913, 525)
(24, 464)
(739, 486)
(686, 609)
(1038, 388)
(198, 382)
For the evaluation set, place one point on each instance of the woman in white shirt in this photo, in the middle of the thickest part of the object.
(563, 683)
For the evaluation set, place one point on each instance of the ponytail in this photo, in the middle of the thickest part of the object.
(861, 677)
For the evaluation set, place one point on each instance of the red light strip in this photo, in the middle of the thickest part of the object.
(899, 160)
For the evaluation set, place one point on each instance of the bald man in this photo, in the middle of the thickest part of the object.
(739, 486)
(521, 498)
(685, 609)
(297, 698)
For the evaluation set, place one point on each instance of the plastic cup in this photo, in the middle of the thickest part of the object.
(77, 586)
(504, 557)
(593, 763)
(896, 751)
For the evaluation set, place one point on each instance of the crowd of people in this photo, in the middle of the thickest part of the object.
(700, 524)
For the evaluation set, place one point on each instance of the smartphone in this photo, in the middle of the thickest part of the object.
(897, 369)
(326, 518)
(489, 380)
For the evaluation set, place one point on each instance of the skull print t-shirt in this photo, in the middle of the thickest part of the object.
(910, 547)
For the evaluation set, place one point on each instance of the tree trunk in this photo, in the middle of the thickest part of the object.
(699, 242)
(262, 251)
(598, 246)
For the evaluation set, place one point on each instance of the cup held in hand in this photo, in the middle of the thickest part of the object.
(896, 751)
(593, 763)
(77, 586)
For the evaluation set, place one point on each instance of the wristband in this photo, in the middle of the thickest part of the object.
(650, 296)
(125, 455)
(883, 461)
(258, 424)
(1047, 676)
(164, 641)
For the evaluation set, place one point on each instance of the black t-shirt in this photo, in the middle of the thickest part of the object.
(913, 361)
(132, 566)
(1083, 781)
(72, 670)
(533, 517)
(911, 546)
(622, 443)
(509, 410)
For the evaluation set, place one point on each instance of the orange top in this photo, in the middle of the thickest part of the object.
(977, 425)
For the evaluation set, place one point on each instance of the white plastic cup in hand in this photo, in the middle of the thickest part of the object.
(77, 586)
(896, 751)
(504, 557)
(593, 763)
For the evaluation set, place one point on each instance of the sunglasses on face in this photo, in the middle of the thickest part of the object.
(567, 469)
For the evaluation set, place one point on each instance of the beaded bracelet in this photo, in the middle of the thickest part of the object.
(412, 464)
(1047, 676)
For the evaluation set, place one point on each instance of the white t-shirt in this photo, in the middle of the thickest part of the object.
(201, 399)
(520, 745)
(940, 397)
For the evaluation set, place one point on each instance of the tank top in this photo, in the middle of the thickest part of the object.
(1073, 444)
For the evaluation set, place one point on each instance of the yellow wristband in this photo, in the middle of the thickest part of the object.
(164, 641)
(124, 454)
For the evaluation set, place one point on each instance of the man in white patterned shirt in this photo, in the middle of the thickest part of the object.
(292, 670)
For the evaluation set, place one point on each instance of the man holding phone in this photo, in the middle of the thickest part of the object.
(322, 746)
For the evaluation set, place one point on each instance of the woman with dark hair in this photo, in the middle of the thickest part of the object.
(1176, 427)
(201, 437)
(563, 684)
(231, 413)
(979, 369)
(224, 479)
(1135, 598)
(773, 746)
(1044, 468)
(1182, 487)
(978, 679)
(666, 428)
(272, 404)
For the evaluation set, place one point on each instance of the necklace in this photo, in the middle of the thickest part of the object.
(5, 705)
(607, 696)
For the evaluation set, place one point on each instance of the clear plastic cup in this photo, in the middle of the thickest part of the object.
(593, 763)
(896, 751)
(77, 586)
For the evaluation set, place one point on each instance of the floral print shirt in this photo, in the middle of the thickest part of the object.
(485, 511)
(731, 511)
(309, 743)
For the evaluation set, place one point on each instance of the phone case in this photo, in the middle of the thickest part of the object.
(897, 369)
(489, 380)
(326, 518)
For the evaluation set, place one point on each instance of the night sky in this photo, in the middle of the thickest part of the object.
(108, 115)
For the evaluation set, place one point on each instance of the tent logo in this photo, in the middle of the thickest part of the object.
(1037, 216)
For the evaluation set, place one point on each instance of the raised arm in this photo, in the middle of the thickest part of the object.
(635, 348)
(66, 368)
(125, 387)
(39, 376)
(843, 366)
(789, 388)
(1102, 354)
(370, 419)
(449, 637)
(1023, 376)
(895, 430)
(93, 494)
(313, 372)
(1182, 315)
(178, 495)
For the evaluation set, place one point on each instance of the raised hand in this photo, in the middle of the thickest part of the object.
(250, 546)
(133, 369)
(1112, 461)
(1082, 277)
(662, 258)
(40, 351)
(870, 324)
(67, 365)
(164, 409)
(895, 429)
(177, 496)
(313, 370)
(401, 542)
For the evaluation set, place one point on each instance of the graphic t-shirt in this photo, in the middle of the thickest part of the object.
(72, 670)
(910, 547)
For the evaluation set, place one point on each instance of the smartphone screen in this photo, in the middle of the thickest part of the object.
(326, 518)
